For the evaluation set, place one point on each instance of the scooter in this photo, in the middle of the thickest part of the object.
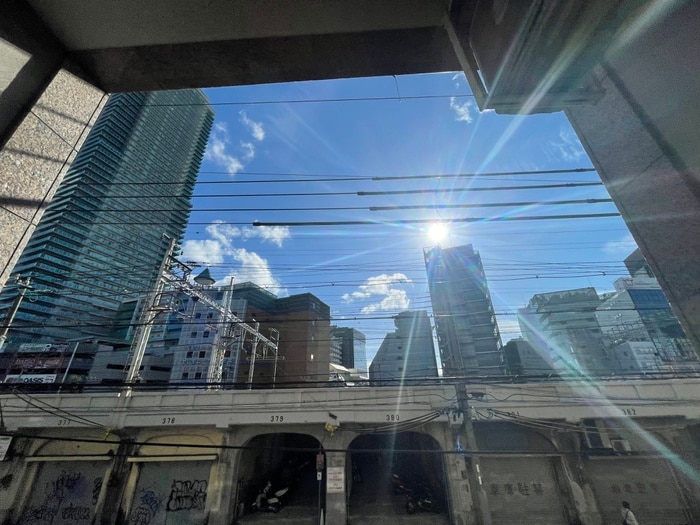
(269, 504)
(399, 486)
(421, 500)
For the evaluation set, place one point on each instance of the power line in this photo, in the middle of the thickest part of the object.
(431, 221)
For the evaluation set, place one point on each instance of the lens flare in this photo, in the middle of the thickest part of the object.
(438, 232)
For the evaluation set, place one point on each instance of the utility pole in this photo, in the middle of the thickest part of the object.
(449, 340)
(178, 280)
(23, 285)
(145, 322)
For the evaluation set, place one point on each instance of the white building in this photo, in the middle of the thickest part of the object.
(407, 352)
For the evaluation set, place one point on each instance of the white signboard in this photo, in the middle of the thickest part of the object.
(31, 378)
(335, 480)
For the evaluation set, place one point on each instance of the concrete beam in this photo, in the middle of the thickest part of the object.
(22, 29)
(280, 59)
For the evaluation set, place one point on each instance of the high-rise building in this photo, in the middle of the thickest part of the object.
(640, 331)
(562, 326)
(352, 347)
(408, 352)
(101, 239)
(468, 336)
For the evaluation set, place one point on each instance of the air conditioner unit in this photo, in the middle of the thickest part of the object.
(620, 445)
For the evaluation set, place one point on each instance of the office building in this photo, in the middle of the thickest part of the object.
(522, 359)
(300, 324)
(408, 352)
(100, 240)
(351, 347)
(640, 331)
(563, 325)
(468, 336)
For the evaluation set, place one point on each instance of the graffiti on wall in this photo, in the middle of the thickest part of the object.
(170, 492)
(186, 495)
(63, 497)
(149, 504)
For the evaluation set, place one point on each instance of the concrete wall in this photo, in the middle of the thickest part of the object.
(541, 476)
(37, 156)
(642, 137)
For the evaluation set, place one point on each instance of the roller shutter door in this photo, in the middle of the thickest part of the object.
(172, 492)
(65, 492)
(647, 483)
(522, 491)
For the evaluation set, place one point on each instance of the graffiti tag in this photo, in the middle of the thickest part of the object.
(186, 495)
(144, 513)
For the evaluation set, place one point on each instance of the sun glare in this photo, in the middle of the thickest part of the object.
(438, 232)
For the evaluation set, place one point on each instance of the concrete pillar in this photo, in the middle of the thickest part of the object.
(223, 488)
(336, 501)
(572, 475)
(458, 479)
(643, 137)
(37, 156)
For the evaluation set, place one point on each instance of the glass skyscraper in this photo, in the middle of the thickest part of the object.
(468, 336)
(102, 238)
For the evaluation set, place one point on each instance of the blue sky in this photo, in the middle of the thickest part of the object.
(277, 152)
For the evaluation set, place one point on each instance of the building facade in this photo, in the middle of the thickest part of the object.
(640, 331)
(468, 336)
(352, 347)
(408, 352)
(563, 325)
(100, 240)
(522, 359)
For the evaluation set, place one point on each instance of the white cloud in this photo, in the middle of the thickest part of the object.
(395, 300)
(218, 149)
(620, 248)
(462, 110)
(568, 148)
(272, 234)
(255, 269)
(217, 153)
(248, 150)
(256, 128)
(252, 267)
(207, 251)
(223, 233)
(384, 286)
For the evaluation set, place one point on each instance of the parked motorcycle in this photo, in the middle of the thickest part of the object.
(399, 485)
(421, 500)
(269, 503)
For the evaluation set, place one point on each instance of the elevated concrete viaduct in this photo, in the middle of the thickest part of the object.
(549, 454)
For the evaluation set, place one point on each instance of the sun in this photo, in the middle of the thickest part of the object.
(438, 232)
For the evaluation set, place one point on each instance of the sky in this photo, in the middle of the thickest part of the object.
(310, 152)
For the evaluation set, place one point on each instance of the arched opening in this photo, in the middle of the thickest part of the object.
(397, 476)
(279, 461)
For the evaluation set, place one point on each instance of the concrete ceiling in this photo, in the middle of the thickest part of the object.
(167, 44)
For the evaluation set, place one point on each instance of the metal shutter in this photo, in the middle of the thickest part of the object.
(522, 490)
(171, 491)
(647, 483)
